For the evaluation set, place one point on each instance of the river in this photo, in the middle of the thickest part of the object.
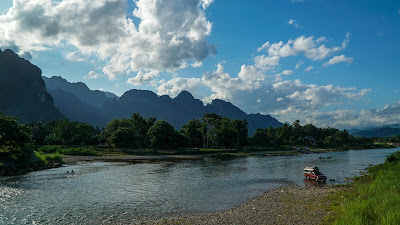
(104, 192)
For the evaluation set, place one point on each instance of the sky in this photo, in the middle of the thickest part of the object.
(329, 63)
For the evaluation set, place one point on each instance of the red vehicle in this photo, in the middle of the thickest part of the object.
(312, 172)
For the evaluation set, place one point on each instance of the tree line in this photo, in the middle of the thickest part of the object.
(137, 132)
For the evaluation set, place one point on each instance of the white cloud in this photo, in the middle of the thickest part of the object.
(389, 114)
(310, 48)
(296, 1)
(339, 59)
(92, 75)
(142, 77)
(285, 99)
(177, 84)
(295, 23)
(264, 46)
(264, 62)
(74, 57)
(161, 41)
(308, 69)
(197, 64)
(301, 62)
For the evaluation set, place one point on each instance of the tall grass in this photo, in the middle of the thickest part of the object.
(373, 199)
(81, 151)
(44, 159)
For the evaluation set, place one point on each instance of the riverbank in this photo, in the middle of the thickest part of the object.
(286, 205)
(371, 199)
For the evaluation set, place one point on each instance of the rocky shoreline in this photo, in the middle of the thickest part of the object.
(286, 205)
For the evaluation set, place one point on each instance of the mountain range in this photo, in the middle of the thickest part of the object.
(25, 94)
(77, 102)
(382, 131)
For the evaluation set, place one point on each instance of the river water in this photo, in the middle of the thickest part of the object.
(103, 192)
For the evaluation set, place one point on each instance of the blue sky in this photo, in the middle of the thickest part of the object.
(330, 63)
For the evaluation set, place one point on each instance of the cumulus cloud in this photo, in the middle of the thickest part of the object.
(295, 23)
(92, 75)
(389, 114)
(308, 69)
(310, 47)
(296, 1)
(161, 41)
(142, 77)
(339, 59)
(265, 62)
(285, 99)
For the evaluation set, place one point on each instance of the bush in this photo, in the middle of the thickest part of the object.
(81, 151)
(41, 157)
(50, 149)
(394, 157)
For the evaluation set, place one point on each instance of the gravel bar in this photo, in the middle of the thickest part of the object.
(286, 205)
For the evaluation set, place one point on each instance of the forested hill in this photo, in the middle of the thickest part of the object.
(72, 100)
(23, 92)
(378, 132)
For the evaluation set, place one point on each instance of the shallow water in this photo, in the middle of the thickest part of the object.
(103, 192)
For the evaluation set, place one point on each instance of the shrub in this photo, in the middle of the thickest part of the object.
(394, 157)
(50, 149)
(81, 151)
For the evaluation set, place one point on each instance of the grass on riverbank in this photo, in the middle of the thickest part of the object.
(371, 199)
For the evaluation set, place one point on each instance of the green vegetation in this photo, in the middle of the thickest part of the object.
(371, 199)
(80, 151)
(212, 134)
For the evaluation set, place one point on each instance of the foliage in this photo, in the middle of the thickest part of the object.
(50, 149)
(128, 133)
(81, 151)
(163, 136)
(394, 157)
(124, 137)
(45, 159)
(218, 131)
(15, 140)
(72, 133)
(308, 135)
(192, 131)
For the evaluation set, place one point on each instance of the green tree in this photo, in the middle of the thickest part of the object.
(192, 131)
(141, 126)
(241, 128)
(210, 123)
(261, 138)
(124, 137)
(163, 136)
(112, 127)
(225, 135)
(15, 140)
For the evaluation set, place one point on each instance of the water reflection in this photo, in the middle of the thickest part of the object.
(313, 183)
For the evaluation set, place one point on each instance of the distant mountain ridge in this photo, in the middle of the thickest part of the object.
(382, 131)
(23, 92)
(71, 100)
